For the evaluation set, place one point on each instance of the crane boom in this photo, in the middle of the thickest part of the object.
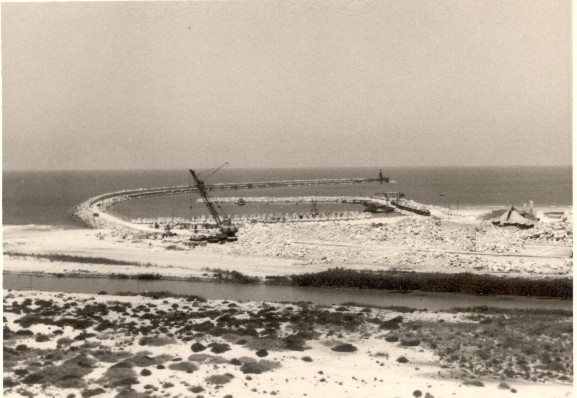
(202, 190)
(211, 172)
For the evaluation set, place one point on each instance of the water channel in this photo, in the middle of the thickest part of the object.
(259, 292)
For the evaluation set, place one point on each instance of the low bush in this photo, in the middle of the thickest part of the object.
(92, 392)
(219, 348)
(145, 372)
(183, 366)
(466, 283)
(388, 325)
(197, 347)
(344, 348)
(410, 342)
(148, 277)
(259, 367)
(197, 389)
(42, 338)
(219, 379)
(293, 344)
(476, 383)
(156, 341)
(262, 353)
(67, 375)
(75, 259)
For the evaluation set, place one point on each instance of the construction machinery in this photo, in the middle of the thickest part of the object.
(382, 178)
(227, 231)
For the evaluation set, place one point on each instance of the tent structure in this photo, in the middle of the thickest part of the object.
(513, 218)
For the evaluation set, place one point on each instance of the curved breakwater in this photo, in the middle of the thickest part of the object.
(90, 212)
(264, 218)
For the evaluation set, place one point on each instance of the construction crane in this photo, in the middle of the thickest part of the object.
(213, 171)
(227, 230)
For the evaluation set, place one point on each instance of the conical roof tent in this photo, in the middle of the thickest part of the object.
(512, 217)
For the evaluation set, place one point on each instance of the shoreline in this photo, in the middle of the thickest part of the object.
(318, 281)
(134, 344)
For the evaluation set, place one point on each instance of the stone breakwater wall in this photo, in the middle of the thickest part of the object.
(285, 199)
(88, 212)
(262, 218)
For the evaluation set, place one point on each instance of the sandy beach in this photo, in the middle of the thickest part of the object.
(117, 346)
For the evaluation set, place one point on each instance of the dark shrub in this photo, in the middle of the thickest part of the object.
(307, 359)
(105, 324)
(392, 339)
(410, 342)
(122, 365)
(262, 353)
(184, 366)
(74, 323)
(344, 348)
(145, 372)
(92, 392)
(197, 389)
(197, 347)
(219, 348)
(32, 319)
(156, 341)
(258, 367)
(293, 344)
(402, 359)
(388, 325)
(476, 383)
(219, 379)
(9, 382)
(84, 336)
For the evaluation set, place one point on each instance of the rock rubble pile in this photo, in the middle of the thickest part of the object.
(415, 241)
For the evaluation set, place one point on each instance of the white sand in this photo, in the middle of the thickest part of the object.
(358, 374)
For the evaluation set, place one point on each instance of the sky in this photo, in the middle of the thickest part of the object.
(359, 83)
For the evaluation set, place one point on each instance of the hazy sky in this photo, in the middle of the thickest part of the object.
(286, 84)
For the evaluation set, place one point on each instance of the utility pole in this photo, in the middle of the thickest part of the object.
(445, 204)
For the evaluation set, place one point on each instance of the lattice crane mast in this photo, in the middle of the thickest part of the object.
(227, 230)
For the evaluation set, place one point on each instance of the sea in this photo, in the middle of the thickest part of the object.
(49, 197)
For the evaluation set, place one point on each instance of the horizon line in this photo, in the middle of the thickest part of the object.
(291, 168)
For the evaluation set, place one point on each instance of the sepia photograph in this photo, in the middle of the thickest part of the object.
(290, 198)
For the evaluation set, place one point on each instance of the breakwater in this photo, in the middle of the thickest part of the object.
(288, 199)
(90, 212)
(246, 218)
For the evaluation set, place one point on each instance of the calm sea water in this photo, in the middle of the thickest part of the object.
(47, 197)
